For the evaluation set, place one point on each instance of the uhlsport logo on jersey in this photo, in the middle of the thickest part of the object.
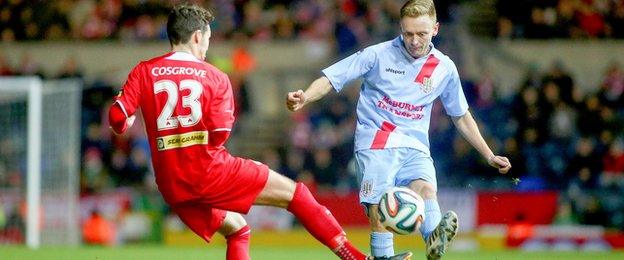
(427, 85)
(394, 71)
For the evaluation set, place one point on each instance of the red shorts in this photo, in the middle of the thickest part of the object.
(203, 219)
(239, 183)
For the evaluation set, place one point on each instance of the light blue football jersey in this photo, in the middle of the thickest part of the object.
(397, 93)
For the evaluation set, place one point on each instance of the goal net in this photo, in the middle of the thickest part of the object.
(39, 161)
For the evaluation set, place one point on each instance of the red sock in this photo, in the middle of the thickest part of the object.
(238, 244)
(321, 224)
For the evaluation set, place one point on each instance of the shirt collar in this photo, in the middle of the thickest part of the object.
(398, 42)
(182, 55)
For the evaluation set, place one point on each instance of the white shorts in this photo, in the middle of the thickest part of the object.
(380, 169)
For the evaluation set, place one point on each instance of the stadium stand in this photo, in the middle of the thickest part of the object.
(559, 135)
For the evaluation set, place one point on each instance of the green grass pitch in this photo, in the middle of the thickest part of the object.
(154, 252)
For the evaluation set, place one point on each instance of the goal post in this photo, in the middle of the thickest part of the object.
(40, 127)
(33, 179)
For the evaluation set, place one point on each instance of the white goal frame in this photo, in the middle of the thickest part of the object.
(34, 87)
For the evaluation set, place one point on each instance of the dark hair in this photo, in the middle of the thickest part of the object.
(184, 20)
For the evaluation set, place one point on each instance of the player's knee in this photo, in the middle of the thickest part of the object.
(424, 189)
(278, 191)
(232, 223)
(428, 191)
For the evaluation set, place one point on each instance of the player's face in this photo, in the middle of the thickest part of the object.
(417, 33)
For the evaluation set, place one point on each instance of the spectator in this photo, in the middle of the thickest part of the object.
(14, 228)
(243, 64)
(613, 165)
(564, 215)
(30, 67)
(97, 230)
(590, 21)
(612, 88)
(585, 167)
(324, 168)
(5, 67)
(562, 79)
(594, 213)
(70, 70)
(589, 123)
(519, 230)
(616, 19)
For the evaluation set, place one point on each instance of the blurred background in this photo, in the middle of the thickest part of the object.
(544, 79)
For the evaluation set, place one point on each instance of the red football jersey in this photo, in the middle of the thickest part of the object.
(182, 99)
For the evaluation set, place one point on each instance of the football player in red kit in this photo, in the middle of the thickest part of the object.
(188, 109)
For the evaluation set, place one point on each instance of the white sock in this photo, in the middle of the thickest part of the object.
(432, 218)
(382, 244)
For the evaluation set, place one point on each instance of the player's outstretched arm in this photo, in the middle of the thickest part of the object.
(117, 119)
(470, 131)
(318, 89)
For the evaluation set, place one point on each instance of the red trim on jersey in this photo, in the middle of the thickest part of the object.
(381, 137)
(387, 126)
(427, 69)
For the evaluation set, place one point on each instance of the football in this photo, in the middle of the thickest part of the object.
(401, 210)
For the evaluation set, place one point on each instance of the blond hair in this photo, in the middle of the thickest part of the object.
(416, 8)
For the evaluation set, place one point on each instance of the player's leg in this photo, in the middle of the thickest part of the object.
(205, 220)
(282, 192)
(237, 233)
(419, 175)
(381, 240)
(432, 208)
(247, 182)
(376, 170)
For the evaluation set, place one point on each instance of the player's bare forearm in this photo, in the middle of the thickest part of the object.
(317, 90)
(469, 129)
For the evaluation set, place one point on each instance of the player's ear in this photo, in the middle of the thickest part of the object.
(197, 36)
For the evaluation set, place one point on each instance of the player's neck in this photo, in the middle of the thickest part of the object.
(182, 48)
(187, 48)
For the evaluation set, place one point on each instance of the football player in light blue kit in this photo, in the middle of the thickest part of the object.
(401, 80)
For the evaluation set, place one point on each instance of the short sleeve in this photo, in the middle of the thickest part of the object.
(130, 96)
(222, 106)
(452, 96)
(350, 68)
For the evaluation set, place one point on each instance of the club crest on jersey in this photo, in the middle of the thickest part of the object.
(367, 189)
(427, 85)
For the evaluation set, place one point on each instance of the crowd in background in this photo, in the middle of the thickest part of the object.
(545, 19)
(351, 22)
(556, 136)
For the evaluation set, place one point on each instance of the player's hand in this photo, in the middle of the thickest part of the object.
(295, 100)
(500, 162)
